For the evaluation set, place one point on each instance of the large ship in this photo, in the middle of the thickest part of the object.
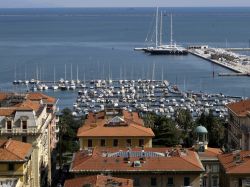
(159, 48)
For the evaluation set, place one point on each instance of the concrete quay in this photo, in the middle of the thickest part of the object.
(239, 69)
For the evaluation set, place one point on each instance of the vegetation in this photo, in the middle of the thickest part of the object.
(68, 127)
(180, 130)
(215, 127)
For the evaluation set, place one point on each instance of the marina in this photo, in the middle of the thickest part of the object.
(155, 96)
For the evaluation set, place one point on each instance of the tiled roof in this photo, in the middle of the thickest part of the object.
(241, 108)
(232, 166)
(40, 96)
(98, 181)
(12, 150)
(132, 126)
(209, 153)
(166, 160)
(29, 101)
(7, 111)
(28, 105)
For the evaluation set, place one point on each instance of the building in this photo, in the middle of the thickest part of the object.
(239, 125)
(147, 167)
(31, 118)
(114, 128)
(98, 181)
(235, 169)
(209, 158)
(15, 163)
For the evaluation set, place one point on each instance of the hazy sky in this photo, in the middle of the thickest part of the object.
(121, 3)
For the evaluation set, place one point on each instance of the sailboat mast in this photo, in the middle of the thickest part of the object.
(171, 31)
(156, 28)
(71, 72)
(161, 30)
(77, 72)
(54, 74)
(65, 72)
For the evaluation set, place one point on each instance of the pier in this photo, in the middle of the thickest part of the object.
(239, 69)
(237, 49)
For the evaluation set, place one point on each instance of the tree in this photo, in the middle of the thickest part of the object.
(185, 122)
(68, 127)
(215, 127)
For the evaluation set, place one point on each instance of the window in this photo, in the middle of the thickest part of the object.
(24, 125)
(129, 142)
(170, 181)
(215, 168)
(186, 181)
(103, 143)
(141, 142)
(24, 138)
(115, 142)
(9, 125)
(136, 181)
(153, 181)
(90, 143)
(214, 181)
(11, 167)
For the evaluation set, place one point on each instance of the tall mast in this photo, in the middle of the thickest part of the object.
(171, 31)
(156, 28)
(65, 72)
(161, 30)
(15, 73)
(77, 72)
(71, 71)
(54, 74)
(37, 72)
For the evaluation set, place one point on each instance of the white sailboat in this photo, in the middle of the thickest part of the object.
(161, 49)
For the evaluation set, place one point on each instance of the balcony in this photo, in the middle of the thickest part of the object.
(19, 131)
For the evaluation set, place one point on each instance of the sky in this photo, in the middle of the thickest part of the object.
(122, 3)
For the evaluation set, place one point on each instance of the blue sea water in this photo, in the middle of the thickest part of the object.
(101, 42)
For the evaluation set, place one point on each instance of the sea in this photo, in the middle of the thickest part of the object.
(101, 41)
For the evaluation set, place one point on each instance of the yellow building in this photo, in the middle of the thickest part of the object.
(31, 118)
(114, 128)
(15, 163)
(239, 125)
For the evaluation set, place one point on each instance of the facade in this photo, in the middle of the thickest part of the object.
(31, 118)
(209, 158)
(15, 163)
(146, 167)
(235, 169)
(114, 128)
(98, 181)
(239, 125)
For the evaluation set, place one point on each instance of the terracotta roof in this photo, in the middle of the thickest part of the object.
(231, 166)
(7, 111)
(95, 127)
(210, 153)
(40, 96)
(156, 159)
(98, 181)
(3, 96)
(28, 105)
(12, 150)
(241, 108)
